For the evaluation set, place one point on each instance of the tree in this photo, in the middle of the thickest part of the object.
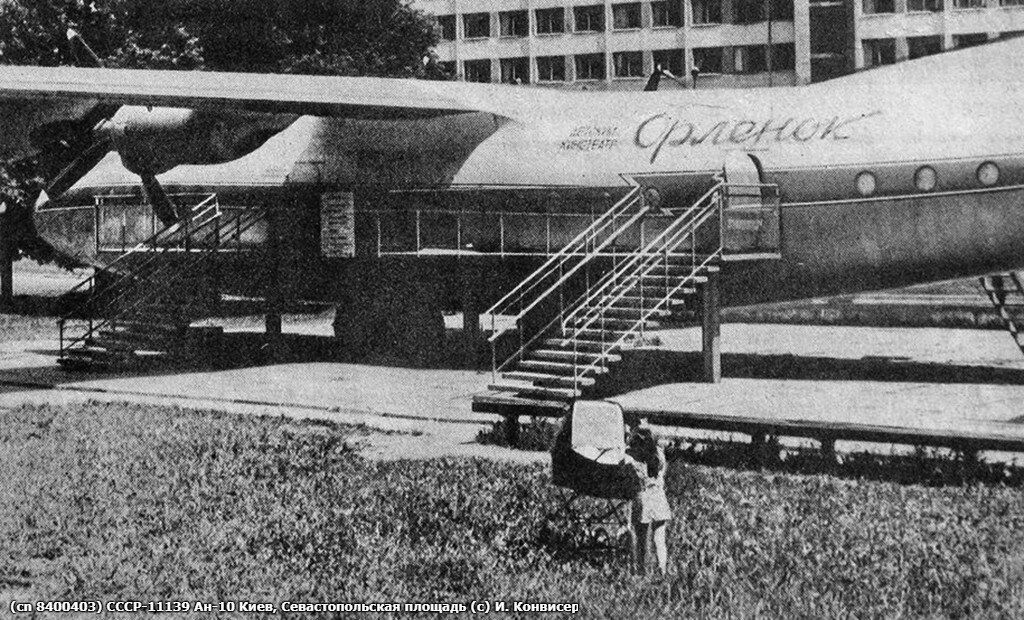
(332, 37)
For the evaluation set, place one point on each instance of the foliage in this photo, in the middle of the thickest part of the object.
(336, 37)
(139, 503)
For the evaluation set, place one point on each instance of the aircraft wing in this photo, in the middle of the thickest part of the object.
(296, 94)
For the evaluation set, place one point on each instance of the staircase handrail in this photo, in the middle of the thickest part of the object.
(143, 245)
(557, 260)
(251, 217)
(584, 298)
(678, 234)
(607, 349)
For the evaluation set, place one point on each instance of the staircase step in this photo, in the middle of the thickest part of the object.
(635, 312)
(503, 404)
(137, 335)
(565, 343)
(559, 367)
(585, 356)
(99, 353)
(544, 378)
(651, 291)
(533, 390)
(598, 335)
(133, 324)
(611, 322)
(673, 280)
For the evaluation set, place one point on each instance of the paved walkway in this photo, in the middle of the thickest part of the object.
(929, 378)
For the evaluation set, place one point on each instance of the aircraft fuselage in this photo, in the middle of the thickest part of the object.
(879, 186)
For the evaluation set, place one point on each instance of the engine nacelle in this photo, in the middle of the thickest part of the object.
(154, 140)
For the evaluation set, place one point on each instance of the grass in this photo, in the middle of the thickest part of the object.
(141, 503)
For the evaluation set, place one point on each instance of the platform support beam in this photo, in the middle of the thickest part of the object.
(471, 335)
(711, 331)
(273, 294)
(6, 262)
(512, 430)
(828, 450)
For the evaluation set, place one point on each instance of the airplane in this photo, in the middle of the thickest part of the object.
(903, 174)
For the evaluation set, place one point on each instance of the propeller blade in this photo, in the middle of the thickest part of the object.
(78, 168)
(157, 198)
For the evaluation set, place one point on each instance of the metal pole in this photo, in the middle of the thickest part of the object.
(768, 16)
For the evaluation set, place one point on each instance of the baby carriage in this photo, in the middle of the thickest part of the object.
(588, 460)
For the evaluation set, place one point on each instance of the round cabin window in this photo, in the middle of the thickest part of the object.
(866, 183)
(925, 179)
(988, 174)
(653, 197)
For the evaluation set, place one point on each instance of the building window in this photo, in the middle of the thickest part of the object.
(1011, 2)
(666, 14)
(707, 11)
(550, 21)
(476, 25)
(879, 6)
(970, 4)
(673, 60)
(923, 46)
(628, 64)
(970, 40)
(515, 70)
(781, 10)
(514, 24)
(924, 5)
(447, 25)
(748, 11)
(448, 67)
(783, 57)
(879, 52)
(750, 58)
(551, 68)
(477, 70)
(708, 59)
(590, 67)
(589, 18)
(626, 16)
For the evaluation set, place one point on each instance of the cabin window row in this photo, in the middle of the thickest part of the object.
(926, 178)
(628, 64)
(624, 16)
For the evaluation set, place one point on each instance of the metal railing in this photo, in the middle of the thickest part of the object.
(196, 237)
(564, 264)
(590, 309)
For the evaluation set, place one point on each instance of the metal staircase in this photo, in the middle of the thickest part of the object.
(1006, 292)
(139, 307)
(586, 336)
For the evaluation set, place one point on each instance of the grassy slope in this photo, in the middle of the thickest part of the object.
(125, 502)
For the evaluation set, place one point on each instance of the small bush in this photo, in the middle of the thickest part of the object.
(537, 435)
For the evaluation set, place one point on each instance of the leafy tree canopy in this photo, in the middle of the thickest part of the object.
(329, 37)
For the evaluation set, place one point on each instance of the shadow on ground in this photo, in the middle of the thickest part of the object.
(648, 368)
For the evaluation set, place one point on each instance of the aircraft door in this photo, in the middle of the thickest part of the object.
(751, 214)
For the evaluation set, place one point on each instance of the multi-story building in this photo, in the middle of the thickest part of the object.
(707, 43)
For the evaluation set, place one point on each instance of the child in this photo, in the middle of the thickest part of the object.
(650, 506)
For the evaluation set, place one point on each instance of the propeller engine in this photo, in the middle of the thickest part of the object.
(150, 141)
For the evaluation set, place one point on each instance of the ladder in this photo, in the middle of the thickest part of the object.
(139, 306)
(578, 346)
(1006, 292)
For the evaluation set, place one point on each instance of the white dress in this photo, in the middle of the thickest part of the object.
(651, 503)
